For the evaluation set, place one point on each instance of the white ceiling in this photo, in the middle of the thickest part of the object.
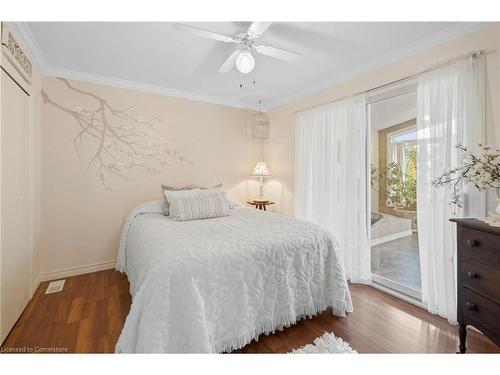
(155, 57)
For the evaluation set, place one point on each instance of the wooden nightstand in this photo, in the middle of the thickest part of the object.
(261, 205)
(478, 276)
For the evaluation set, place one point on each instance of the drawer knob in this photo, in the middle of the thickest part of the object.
(471, 306)
(472, 275)
(471, 243)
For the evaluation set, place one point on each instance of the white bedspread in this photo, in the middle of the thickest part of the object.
(214, 285)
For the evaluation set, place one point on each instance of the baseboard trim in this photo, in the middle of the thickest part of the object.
(35, 286)
(75, 271)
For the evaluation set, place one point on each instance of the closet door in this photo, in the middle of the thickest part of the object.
(15, 205)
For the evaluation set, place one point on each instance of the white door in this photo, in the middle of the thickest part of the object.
(15, 205)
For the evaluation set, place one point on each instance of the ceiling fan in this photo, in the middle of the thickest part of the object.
(243, 57)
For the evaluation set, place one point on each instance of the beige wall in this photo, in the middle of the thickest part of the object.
(279, 149)
(81, 220)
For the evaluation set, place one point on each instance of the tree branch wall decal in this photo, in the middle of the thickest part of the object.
(121, 138)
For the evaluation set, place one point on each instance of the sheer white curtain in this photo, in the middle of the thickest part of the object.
(397, 154)
(331, 178)
(450, 111)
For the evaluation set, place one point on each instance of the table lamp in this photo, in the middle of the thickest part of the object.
(260, 170)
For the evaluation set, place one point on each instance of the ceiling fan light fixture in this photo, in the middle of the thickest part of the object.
(245, 62)
(247, 40)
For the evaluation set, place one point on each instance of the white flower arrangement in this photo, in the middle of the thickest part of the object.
(482, 169)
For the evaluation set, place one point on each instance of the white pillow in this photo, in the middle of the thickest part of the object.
(217, 189)
(201, 206)
(212, 190)
(164, 188)
(171, 195)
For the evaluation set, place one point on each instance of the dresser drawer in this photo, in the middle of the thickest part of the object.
(480, 310)
(481, 279)
(481, 246)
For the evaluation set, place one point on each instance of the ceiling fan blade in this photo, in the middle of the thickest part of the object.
(278, 53)
(229, 63)
(256, 29)
(203, 33)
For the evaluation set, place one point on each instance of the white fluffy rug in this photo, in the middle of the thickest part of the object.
(327, 343)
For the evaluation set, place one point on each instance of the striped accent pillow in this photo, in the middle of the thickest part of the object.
(202, 206)
(165, 189)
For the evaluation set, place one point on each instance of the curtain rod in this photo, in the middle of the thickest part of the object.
(473, 54)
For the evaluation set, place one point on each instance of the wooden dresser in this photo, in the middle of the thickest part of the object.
(478, 276)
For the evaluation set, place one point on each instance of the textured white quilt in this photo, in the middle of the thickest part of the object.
(213, 285)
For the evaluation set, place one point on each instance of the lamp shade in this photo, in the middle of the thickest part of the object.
(260, 170)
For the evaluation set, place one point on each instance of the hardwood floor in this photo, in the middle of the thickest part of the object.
(88, 315)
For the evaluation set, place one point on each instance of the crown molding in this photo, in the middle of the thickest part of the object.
(24, 34)
(143, 87)
(22, 30)
(448, 34)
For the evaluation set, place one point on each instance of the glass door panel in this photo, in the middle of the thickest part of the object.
(395, 257)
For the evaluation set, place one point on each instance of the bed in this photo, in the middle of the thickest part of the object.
(211, 286)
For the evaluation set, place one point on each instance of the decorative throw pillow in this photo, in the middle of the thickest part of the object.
(216, 189)
(166, 203)
(200, 206)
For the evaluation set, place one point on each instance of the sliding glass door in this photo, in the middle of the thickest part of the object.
(395, 261)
